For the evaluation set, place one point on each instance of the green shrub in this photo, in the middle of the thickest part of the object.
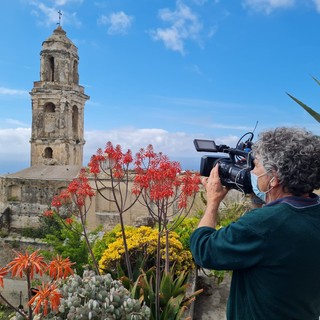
(5, 312)
(184, 229)
(67, 241)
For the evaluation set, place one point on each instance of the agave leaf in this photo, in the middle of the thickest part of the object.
(312, 112)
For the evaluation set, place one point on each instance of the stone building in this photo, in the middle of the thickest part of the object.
(57, 141)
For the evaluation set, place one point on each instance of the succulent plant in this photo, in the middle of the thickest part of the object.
(94, 297)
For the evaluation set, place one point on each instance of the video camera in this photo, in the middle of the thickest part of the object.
(235, 164)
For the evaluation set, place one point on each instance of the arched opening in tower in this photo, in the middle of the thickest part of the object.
(75, 122)
(48, 153)
(51, 69)
(75, 73)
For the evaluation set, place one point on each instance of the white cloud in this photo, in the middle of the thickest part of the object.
(18, 140)
(16, 123)
(13, 92)
(118, 22)
(66, 2)
(267, 6)
(49, 15)
(178, 146)
(185, 25)
(132, 138)
(317, 4)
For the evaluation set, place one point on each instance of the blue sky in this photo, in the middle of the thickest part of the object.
(165, 72)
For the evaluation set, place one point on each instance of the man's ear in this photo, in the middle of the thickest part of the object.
(274, 182)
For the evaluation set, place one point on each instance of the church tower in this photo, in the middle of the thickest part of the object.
(57, 136)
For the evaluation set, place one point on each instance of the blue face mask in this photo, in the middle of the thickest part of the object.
(254, 182)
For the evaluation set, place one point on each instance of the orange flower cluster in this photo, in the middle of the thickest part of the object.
(78, 191)
(47, 296)
(190, 183)
(27, 264)
(112, 159)
(162, 179)
(3, 272)
(60, 268)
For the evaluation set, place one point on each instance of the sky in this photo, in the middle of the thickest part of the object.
(165, 72)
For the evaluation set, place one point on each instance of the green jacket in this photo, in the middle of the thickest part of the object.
(274, 253)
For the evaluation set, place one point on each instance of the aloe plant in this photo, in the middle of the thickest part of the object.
(173, 294)
(312, 112)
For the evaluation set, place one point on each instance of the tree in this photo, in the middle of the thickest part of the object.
(158, 183)
(161, 186)
(74, 203)
(113, 164)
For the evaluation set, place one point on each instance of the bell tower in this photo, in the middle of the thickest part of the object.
(57, 135)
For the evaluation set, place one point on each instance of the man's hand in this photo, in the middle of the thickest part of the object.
(215, 190)
(215, 194)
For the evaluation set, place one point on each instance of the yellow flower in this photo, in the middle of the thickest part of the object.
(142, 246)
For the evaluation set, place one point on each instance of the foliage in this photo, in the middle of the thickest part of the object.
(102, 244)
(231, 212)
(312, 112)
(73, 205)
(115, 165)
(167, 194)
(158, 183)
(142, 246)
(185, 227)
(173, 293)
(5, 312)
(97, 297)
(67, 242)
(47, 225)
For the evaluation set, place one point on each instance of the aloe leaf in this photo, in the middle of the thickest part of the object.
(316, 80)
(312, 112)
(166, 288)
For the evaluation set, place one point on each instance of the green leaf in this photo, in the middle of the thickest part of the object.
(312, 112)
(173, 308)
(316, 80)
(165, 288)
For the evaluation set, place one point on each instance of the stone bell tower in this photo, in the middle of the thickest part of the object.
(57, 136)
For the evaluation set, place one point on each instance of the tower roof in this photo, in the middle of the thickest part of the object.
(59, 41)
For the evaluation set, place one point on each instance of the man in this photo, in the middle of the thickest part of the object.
(274, 251)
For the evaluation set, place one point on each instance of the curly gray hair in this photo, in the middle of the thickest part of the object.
(294, 155)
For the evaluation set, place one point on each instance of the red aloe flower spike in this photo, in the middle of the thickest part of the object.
(27, 264)
(3, 272)
(47, 296)
(60, 268)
